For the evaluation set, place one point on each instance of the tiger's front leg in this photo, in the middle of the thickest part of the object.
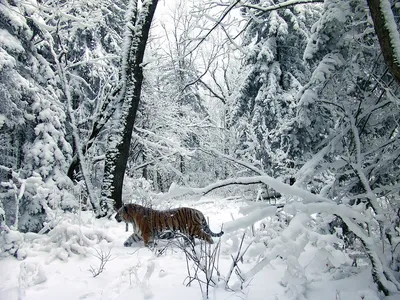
(146, 237)
(134, 238)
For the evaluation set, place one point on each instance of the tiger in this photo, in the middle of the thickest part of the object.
(150, 224)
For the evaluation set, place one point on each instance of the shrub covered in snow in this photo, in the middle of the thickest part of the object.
(11, 242)
(68, 235)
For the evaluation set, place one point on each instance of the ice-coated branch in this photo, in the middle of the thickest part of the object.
(235, 260)
(91, 61)
(215, 94)
(372, 198)
(153, 161)
(101, 120)
(205, 261)
(308, 169)
(291, 242)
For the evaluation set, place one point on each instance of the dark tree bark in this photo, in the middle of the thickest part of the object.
(385, 40)
(136, 35)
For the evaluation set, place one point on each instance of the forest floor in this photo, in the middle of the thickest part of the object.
(51, 271)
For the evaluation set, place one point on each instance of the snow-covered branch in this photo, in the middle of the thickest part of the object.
(234, 160)
(92, 61)
(279, 5)
(75, 134)
(250, 219)
(276, 184)
(382, 276)
(222, 17)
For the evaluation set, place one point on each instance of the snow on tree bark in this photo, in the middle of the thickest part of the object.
(388, 35)
(137, 31)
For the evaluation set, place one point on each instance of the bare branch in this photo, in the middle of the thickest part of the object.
(153, 161)
(204, 262)
(104, 259)
(234, 160)
(224, 14)
(212, 91)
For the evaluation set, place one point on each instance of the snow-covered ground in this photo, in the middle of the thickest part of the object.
(50, 271)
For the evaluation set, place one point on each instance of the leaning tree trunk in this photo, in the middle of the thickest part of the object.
(136, 34)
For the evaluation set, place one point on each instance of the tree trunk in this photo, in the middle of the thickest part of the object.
(136, 35)
(387, 38)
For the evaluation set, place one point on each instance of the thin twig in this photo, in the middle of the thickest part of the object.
(104, 259)
(224, 14)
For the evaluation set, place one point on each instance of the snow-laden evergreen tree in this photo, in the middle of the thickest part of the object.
(264, 106)
(87, 39)
(343, 133)
(351, 89)
(35, 120)
(352, 100)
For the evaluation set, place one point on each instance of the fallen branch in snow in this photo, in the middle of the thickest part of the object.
(10, 242)
(276, 184)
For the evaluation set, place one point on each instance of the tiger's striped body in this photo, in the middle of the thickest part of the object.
(150, 224)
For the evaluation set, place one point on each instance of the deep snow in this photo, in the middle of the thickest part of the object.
(138, 273)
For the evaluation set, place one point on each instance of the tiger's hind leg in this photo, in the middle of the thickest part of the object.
(204, 236)
(188, 240)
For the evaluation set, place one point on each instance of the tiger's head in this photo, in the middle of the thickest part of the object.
(122, 214)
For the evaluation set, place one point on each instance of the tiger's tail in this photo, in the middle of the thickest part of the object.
(207, 229)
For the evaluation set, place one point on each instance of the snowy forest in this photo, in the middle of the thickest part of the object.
(278, 119)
